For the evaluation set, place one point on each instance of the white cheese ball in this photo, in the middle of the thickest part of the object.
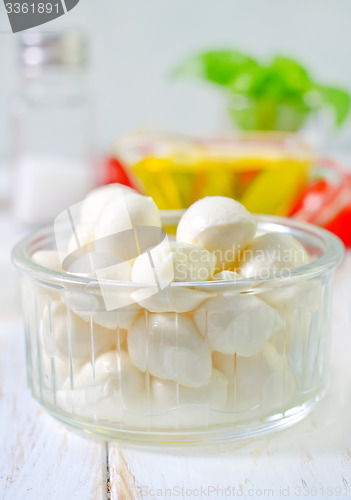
(56, 371)
(272, 253)
(94, 203)
(167, 395)
(178, 299)
(105, 266)
(254, 384)
(278, 390)
(172, 262)
(169, 347)
(284, 298)
(64, 334)
(42, 291)
(113, 320)
(115, 368)
(85, 216)
(81, 237)
(91, 305)
(118, 220)
(239, 324)
(185, 262)
(227, 276)
(221, 225)
(301, 340)
(113, 389)
(47, 258)
(229, 282)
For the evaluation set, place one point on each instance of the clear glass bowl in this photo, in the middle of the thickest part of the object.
(266, 114)
(159, 377)
(265, 171)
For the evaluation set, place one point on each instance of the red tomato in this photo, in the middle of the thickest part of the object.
(313, 197)
(114, 171)
(327, 202)
(341, 226)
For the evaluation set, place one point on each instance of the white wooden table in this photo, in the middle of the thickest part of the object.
(40, 459)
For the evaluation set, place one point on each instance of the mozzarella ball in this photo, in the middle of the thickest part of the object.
(41, 290)
(115, 368)
(84, 216)
(81, 237)
(104, 266)
(111, 389)
(73, 241)
(116, 307)
(276, 360)
(47, 258)
(225, 282)
(113, 320)
(278, 390)
(64, 334)
(109, 307)
(94, 203)
(301, 340)
(227, 276)
(168, 262)
(288, 297)
(120, 271)
(253, 383)
(239, 324)
(272, 253)
(294, 332)
(118, 220)
(168, 346)
(185, 262)
(167, 395)
(56, 371)
(221, 225)
(171, 299)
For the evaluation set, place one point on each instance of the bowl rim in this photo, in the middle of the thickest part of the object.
(333, 253)
(285, 143)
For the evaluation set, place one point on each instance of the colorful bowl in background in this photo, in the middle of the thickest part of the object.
(266, 172)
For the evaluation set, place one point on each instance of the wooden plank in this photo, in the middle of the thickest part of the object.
(310, 459)
(40, 459)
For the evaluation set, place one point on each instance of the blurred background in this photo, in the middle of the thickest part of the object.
(135, 44)
(132, 51)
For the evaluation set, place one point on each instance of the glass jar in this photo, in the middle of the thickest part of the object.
(266, 114)
(53, 133)
(243, 357)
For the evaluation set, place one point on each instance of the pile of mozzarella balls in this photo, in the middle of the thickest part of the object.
(204, 343)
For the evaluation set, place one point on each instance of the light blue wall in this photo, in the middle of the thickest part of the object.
(134, 44)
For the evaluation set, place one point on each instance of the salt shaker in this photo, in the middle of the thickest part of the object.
(53, 127)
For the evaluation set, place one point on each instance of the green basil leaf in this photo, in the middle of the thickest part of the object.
(281, 87)
(283, 79)
(294, 74)
(339, 100)
(217, 66)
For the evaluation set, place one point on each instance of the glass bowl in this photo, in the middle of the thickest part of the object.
(265, 171)
(266, 114)
(242, 357)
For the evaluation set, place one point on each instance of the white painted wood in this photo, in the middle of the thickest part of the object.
(39, 458)
(309, 460)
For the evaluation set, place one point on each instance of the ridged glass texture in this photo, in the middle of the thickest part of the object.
(161, 378)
